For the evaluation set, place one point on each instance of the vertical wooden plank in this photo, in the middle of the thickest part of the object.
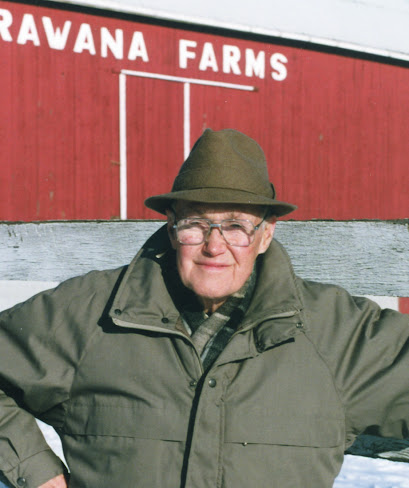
(404, 304)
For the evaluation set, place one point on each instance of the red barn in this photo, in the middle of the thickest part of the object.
(99, 109)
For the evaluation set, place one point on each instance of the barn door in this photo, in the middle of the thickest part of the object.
(156, 131)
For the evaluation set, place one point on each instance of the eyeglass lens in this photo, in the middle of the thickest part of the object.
(235, 232)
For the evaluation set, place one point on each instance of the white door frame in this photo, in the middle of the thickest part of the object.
(123, 180)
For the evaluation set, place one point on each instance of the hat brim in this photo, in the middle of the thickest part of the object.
(160, 203)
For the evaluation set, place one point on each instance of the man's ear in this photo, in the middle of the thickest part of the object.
(171, 231)
(268, 234)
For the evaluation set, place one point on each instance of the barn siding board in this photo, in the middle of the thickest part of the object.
(334, 130)
(367, 258)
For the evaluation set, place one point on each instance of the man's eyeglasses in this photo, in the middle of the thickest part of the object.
(195, 231)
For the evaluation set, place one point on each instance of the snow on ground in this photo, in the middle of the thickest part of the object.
(361, 472)
(357, 471)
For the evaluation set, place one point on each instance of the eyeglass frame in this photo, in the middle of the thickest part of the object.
(212, 226)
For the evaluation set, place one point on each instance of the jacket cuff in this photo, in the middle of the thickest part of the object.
(36, 470)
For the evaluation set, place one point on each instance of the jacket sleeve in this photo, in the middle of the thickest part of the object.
(39, 348)
(367, 351)
(25, 457)
(374, 374)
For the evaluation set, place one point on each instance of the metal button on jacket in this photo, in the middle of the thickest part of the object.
(212, 382)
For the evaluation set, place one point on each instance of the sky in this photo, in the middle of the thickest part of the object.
(374, 26)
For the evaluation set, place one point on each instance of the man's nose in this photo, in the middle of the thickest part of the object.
(215, 243)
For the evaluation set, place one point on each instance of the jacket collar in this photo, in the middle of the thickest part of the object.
(142, 300)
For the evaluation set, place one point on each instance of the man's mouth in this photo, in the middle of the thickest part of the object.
(216, 266)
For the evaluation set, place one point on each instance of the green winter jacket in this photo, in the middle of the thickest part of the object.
(105, 360)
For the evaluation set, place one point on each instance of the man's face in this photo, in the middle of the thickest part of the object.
(215, 270)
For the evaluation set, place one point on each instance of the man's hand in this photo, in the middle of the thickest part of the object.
(57, 482)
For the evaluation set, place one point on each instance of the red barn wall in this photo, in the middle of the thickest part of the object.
(333, 127)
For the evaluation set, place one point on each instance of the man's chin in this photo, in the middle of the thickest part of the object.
(210, 299)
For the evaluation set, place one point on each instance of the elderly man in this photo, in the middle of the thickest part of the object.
(204, 363)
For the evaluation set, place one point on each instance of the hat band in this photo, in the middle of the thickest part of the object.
(226, 178)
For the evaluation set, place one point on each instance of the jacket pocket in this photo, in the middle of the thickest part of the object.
(137, 420)
(258, 427)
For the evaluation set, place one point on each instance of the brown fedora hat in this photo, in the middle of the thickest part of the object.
(223, 166)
